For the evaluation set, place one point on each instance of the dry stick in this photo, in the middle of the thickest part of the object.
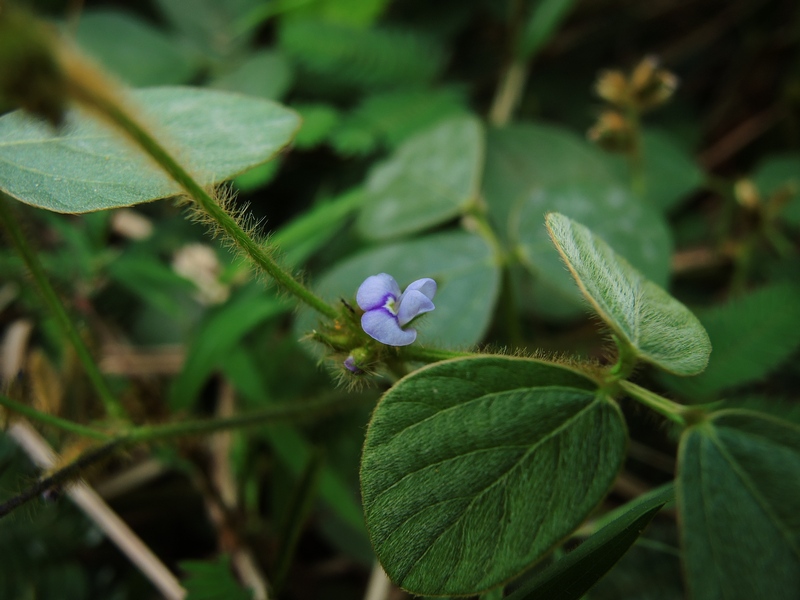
(98, 511)
(379, 585)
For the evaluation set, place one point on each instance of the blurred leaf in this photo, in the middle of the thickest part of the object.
(751, 336)
(655, 326)
(291, 446)
(318, 121)
(738, 488)
(356, 13)
(460, 263)
(635, 232)
(780, 408)
(474, 468)
(110, 35)
(670, 172)
(152, 281)
(570, 577)
(214, 339)
(263, 74)
(392, 117)
(258, 176)
(525, 156)
(781, 173)
(544, 20)
(88, 166)
(309, 231)
(361, 57)
(214, 28)
(430, 179)
(212, 580)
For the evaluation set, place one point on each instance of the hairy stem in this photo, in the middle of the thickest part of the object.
(48, 294)
(226, 222)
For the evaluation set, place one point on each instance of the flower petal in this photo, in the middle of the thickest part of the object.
(382, 325)
(426, 285)
(412, 304)
(375, 290)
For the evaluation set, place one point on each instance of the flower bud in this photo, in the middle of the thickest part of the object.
(613, 132)
(746, 194)
(651, 86)
(612, 87)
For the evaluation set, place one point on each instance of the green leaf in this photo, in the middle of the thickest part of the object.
(216, 337)
(109, 36)
(570, 577)
(779, 173)
(153, 281)
(212, 580)
(524, 156)
(461, 264)
(318, 121)
(88, 166)
(347, 55)
(634, 231)
(292, 447)
(752, 335)
(217, 29)
(473, 469)
(655, 326)
(430, 179)
(356, 13)
(738, 490)
(264, 74)
(542, 23)
(670, 171)
(394, 116)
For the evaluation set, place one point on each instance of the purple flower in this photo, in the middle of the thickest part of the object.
(387, 311)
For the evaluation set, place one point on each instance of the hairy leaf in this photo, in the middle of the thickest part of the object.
(473, 469)
(430, 179)
(739, 484)
(752, 336)
(570, 577)
(656, 327)
(88, 166)
(633, 230)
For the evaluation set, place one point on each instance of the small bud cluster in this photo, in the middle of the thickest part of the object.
(647, 87)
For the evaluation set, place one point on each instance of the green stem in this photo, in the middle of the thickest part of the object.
(53, 421)
(153, 433)
(671, 410)
(272, 414)
(112, 405)
(626, 361)
(225, 221)
(636, 157)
